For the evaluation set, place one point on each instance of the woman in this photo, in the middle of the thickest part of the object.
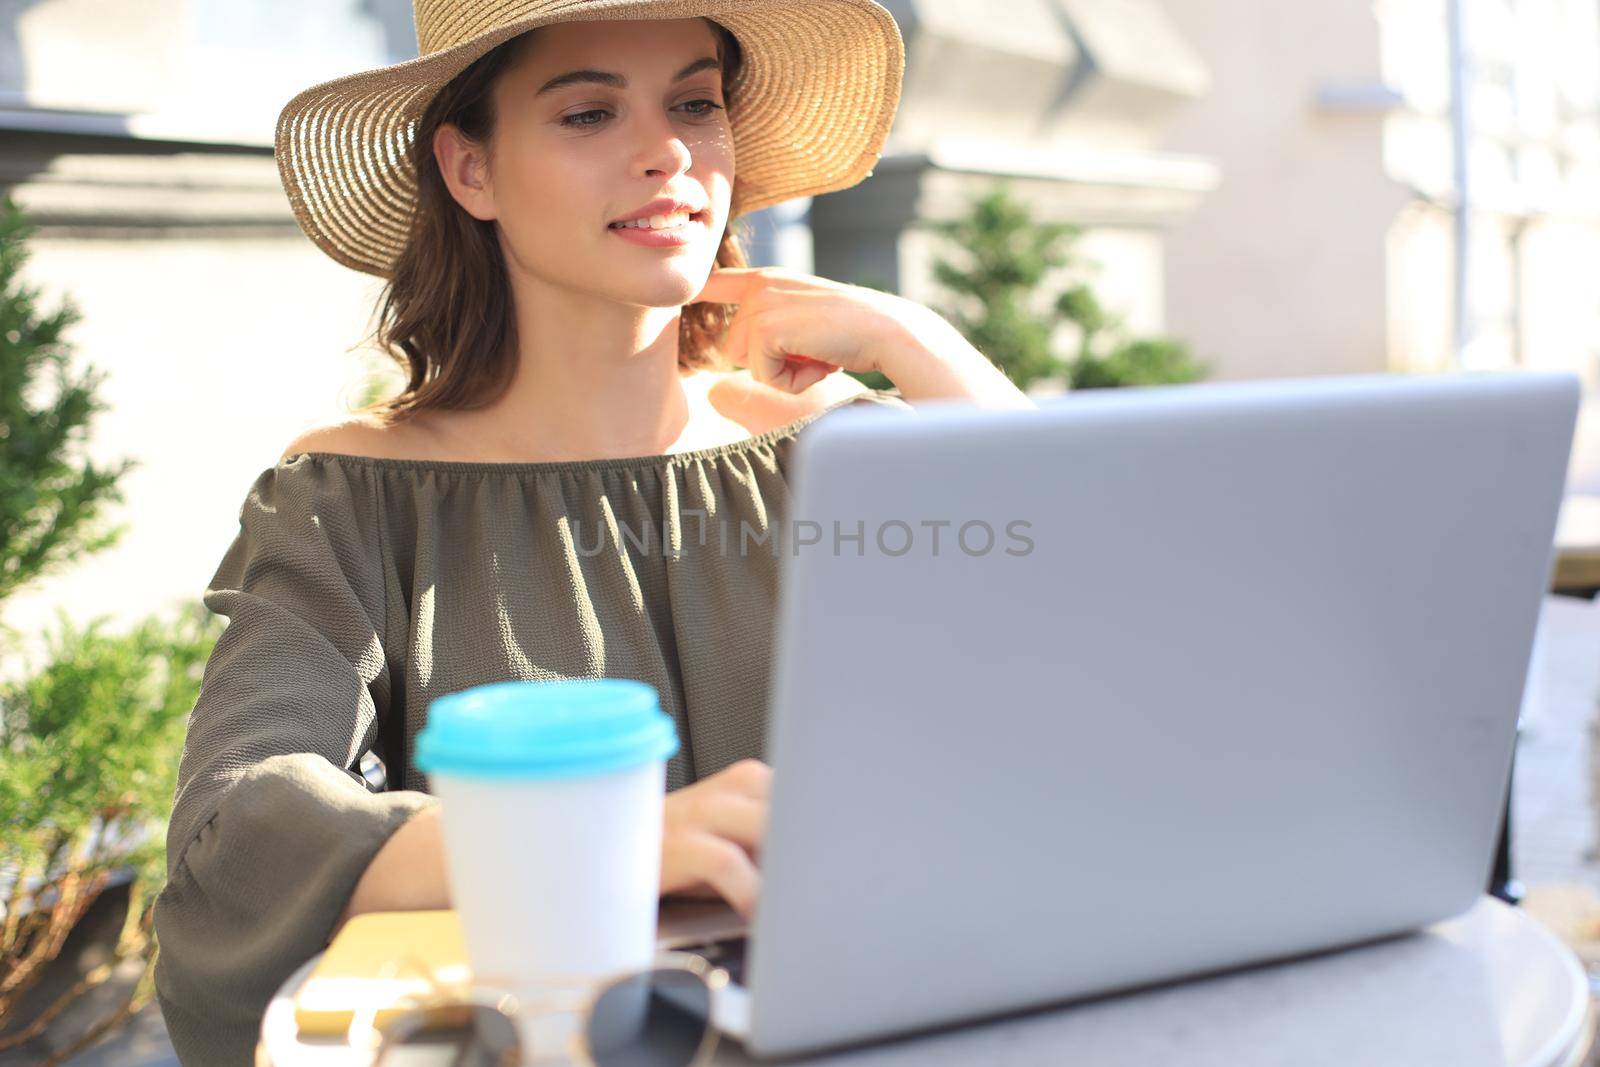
(573, 386)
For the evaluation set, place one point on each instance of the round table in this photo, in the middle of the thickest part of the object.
(1490, 987)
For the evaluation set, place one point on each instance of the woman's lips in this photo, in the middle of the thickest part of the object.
(672, 237)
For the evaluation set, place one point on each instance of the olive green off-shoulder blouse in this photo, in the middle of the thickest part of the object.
(357, 591)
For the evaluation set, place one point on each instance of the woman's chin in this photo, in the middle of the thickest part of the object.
(671, 289)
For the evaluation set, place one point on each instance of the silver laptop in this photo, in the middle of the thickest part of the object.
(1146, 684)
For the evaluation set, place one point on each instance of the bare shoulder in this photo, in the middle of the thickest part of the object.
(355, 436)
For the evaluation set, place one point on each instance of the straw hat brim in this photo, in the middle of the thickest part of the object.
(810, 111)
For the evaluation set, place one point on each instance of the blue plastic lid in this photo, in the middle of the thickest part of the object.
(554, 729)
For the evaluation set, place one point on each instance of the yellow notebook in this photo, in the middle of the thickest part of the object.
(352, 972)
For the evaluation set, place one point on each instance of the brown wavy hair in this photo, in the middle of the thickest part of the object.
(446, 315)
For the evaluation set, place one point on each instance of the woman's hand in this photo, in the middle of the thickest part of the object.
(791, 330)
(712, 832)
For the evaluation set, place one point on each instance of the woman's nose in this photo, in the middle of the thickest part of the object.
(663, 148)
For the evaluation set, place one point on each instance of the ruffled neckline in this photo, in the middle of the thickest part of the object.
(565, 466)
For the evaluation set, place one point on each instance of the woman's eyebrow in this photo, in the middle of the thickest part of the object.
(617, 81)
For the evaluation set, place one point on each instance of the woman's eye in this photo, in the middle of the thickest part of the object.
(711, 105)
(579, 120)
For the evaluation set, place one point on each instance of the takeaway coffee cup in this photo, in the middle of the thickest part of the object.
(552, 800)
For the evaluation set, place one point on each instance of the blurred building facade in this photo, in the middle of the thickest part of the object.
(1062, 100)
(1334, 243)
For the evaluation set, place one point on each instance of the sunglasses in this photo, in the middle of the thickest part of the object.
(660, 1017)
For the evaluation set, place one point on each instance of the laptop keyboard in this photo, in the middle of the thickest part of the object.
(727, 954)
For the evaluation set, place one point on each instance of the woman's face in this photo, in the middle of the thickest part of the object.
(571, 155)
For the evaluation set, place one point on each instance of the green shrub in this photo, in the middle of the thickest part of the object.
(1003, 256)
(89, 751)
(51, 495)
(90, 740)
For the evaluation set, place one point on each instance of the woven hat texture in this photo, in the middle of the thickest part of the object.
(809, 111)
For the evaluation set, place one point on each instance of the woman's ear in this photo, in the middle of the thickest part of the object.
(464, 165)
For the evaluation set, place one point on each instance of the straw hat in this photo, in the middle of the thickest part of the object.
(809, 111)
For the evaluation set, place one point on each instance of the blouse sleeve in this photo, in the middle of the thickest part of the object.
(272, 823)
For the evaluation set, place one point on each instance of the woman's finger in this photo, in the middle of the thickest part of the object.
(749, 776)
(738, 817)
(770, 342)
(746, 344)
(731, 285)
(803, 375)
(726, 867)
(742, 285)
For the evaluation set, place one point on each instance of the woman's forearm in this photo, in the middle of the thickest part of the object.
(933, 361)
(406, 874)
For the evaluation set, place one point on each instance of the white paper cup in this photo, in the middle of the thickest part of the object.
(552, 798)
